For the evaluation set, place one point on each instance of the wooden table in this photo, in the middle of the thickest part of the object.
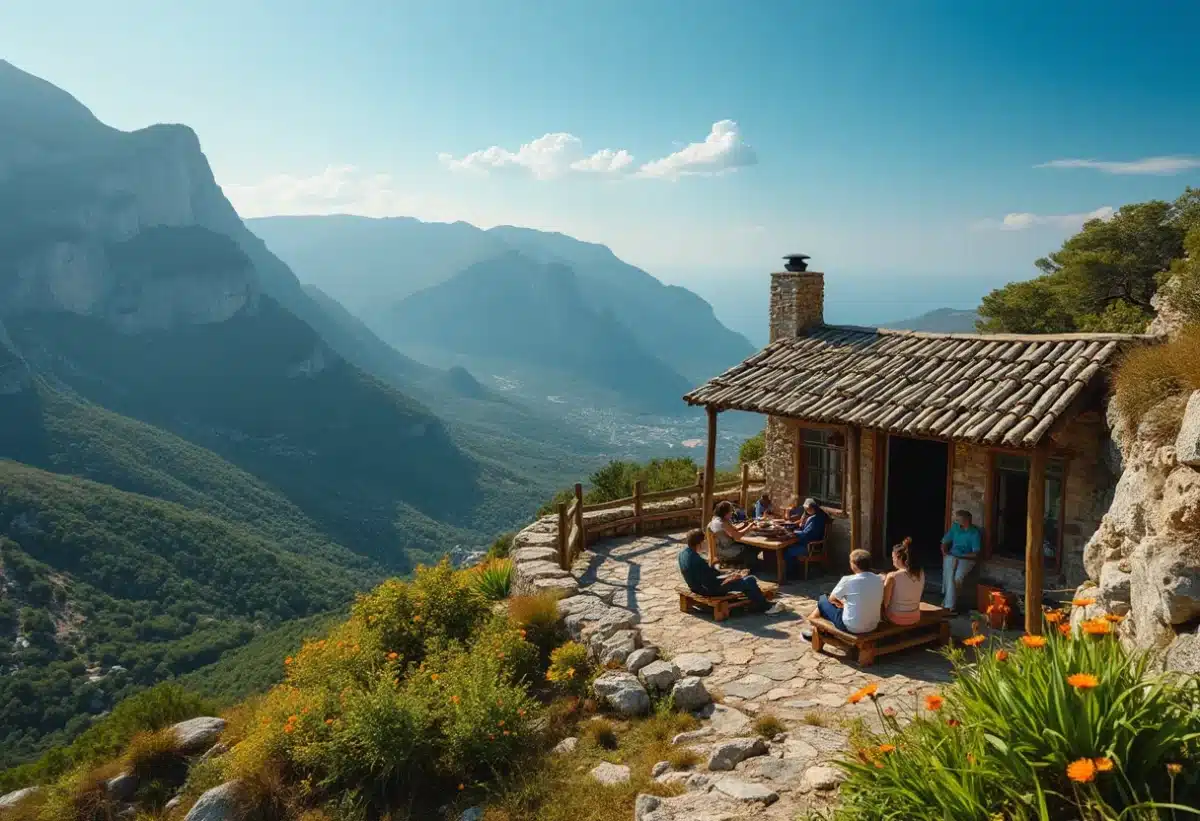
(779, 546)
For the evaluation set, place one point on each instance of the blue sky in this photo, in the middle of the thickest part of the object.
(889, 140)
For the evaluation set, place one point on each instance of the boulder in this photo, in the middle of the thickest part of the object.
(566, 746)
(12, 799)
(615, 620)
(121, 787)
(824, 778)
(724, 720)
(617, 647)
(645, 805)
(170, 806)
(1184, 654)
(659, 675)
(472, 814)
(746, 791)
(218, 804)
(1187, 442)
(690, 694)
(693, 664)
(692, 736)
(1164, 587)
(1114, 588)
(640, 658)
(659, 768)
(728, 754)
(610, 774)
(622, 692)
(196, 735)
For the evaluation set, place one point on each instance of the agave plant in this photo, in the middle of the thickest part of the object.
(493, 579)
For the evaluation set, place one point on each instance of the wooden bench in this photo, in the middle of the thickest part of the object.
(934, 627)
(721, 606)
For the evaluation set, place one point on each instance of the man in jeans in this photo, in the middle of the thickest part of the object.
(960, 551)
(703, 580)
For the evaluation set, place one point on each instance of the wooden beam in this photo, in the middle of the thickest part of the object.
(1034, 523)
(854, 488)
(710, 465)
(745, 495)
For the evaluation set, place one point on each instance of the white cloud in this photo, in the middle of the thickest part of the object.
(1158, 166)
(547, 157)
(722, 150)
(1022, 220)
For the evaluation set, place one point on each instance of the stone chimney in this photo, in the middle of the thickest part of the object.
(797, 298)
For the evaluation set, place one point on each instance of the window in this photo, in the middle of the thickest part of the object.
(821, 466)
(1010, 496)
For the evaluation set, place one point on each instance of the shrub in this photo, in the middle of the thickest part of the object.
(493, 579)
(601, 732)
(1072, 728)
(683, 758)
(1150, 374)
(538, 616)
(768, 726)
(569, 668)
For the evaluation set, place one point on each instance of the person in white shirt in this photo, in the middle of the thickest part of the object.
(856, 602)
(726, 533)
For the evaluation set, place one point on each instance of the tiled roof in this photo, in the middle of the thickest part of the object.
(996, 389)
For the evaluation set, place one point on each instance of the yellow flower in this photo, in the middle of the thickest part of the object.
(934, 702)
(974, 641)
(1083, 681)
(1103, 765)
(1033, 642)
(1081, 771)
(1083, 602)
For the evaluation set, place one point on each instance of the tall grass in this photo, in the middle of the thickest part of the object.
(1147, 375)
(1075, 728)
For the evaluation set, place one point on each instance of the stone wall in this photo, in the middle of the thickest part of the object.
(1088, 492)
(779, 460)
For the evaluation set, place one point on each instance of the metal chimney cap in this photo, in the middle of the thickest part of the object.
(797, 262)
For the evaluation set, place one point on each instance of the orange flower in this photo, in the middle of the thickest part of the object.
(521, 713)
(1083, 602)
(289, 728)
(1033, 642)
(879, 765)
(522, 634)
(1001, 655)
(868, 691)
(1053, 616)
(416, 619)
(433, 677)
(974, 641)
(970, 758)
(1174, 769)
(1081, 771)
(1065, 629)
(934, 702)
(287, 660)
(1083, 681)
(886, 748)
(462, 786)
(954, 722)
(1096, 627)
(1103, 765)
(1114, 618)
(393, 656)
(329, 722)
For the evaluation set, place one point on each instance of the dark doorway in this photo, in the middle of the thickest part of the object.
(916, 497)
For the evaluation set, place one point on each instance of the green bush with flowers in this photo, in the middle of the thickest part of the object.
(1068, 724)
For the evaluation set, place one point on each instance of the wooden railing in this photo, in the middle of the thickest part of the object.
(572, 535)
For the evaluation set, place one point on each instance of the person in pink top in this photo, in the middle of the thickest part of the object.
(902, 588)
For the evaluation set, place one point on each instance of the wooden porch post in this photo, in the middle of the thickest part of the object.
(854, 489)
(1036, 506)
(710, 466)
(745, 497)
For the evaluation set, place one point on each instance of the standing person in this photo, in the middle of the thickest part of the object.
(727, 534)
(902, 588)
(855, 604)
(763, 507)
(960, 551)
(703, 580)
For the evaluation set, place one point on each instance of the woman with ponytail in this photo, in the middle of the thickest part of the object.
(902, 588)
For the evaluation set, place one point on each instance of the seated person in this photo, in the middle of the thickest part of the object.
(703, 580)
(856, 601)
(726, 533)
(811, 529)
(763, 508)
(960, 550)
(902, 588)
(795, 512)
(739, 514)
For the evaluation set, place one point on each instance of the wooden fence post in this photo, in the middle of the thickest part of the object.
(579, 517)
(563, 559)
(745, 498)
(637, 507)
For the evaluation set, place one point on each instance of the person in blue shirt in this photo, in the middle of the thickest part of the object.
(703, 580)
(811, 529)
(763, 507)
(960, 551)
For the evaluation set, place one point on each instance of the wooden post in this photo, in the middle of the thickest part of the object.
(637, 507)
(1034, 563)
(564, 560)
(710, 466)
(579, 517)
(745, 499)
(854, 486)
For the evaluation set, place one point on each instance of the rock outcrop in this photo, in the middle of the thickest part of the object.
(1144, 560)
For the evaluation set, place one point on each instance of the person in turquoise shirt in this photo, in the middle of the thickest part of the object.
(960, 551)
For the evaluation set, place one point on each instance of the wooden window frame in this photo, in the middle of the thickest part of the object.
(989, 508)
(801, 457)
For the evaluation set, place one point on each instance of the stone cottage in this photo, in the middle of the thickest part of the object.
(892, 431)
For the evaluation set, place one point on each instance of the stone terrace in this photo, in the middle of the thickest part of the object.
(621, 596)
